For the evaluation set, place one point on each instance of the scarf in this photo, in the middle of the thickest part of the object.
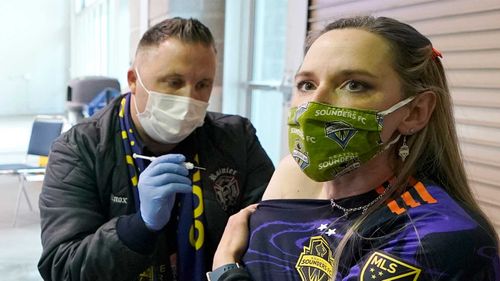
(191, 223)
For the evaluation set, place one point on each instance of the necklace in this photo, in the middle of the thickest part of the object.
(347, 211)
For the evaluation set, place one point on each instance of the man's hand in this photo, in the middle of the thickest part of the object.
(234, 241)
(158, 184)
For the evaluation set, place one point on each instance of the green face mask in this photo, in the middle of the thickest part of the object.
(328, 142)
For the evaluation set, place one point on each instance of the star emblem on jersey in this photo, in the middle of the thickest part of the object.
(316, 260)
(323, 226)
(382, 266)
(340, 132)
(331, 232)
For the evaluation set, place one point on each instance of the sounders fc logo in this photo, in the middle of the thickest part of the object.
(340, 132)
(300, 110)
(300, 157)
(315, 263)
(381, 266)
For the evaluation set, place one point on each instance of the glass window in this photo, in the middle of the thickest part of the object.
(100, 39)
(267, 72)
(262, 49)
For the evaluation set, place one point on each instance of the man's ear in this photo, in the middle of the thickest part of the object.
(420, 111)
(132, 80)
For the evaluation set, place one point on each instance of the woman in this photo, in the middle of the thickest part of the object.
(375, 188)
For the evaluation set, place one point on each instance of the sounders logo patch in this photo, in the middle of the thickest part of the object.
(340, 132)
(381, 266)
(315, 261)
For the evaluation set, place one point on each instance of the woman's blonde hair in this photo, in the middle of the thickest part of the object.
(435, 153)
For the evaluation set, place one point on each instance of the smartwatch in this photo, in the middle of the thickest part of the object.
(217, 273)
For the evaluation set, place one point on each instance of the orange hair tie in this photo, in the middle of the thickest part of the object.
(436, 53)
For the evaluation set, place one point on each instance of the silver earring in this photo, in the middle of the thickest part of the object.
(404, 150)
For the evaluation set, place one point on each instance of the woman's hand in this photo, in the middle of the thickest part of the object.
(234, 241)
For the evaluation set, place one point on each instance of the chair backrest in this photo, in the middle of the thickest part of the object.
(43, 133)
(82, 90)
(101, 100)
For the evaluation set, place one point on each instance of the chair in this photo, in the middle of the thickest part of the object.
(82, 90)
(101, 100)
(44, 131)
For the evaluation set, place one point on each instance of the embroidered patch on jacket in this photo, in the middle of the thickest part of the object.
(316, 260)
(381, 266)
(226, 187)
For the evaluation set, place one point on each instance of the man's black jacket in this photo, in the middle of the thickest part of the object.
(87, 190)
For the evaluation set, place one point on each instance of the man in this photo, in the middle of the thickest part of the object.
(109, 215)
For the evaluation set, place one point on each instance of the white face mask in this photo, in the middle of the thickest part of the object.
(170, 118)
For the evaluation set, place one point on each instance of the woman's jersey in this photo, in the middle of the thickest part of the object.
(422, 235)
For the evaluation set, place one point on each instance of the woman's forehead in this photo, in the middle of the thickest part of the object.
(350, 48)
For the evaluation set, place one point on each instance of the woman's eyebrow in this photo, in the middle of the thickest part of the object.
(349, 72)
(303, 74)
(345, 72)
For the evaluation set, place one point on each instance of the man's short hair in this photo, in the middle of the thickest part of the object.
(186, 30)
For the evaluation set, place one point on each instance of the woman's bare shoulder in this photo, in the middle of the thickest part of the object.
(289, 182)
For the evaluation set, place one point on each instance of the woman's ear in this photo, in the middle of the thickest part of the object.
(420, 111)
(132, 80)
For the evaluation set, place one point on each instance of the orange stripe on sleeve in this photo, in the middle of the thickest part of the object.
(394, 207)
(422, 191)
(409, 201)
(412, 181)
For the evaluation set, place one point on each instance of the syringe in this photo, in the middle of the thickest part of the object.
(188, 165)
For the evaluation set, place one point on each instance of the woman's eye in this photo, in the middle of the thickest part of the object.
(355, 86)
(305, 86)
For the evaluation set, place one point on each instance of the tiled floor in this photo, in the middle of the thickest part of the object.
(20, 246)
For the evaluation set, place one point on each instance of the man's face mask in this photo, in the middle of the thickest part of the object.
(170, 118)
(328, 142)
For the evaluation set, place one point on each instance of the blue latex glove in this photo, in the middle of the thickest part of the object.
(158, 184)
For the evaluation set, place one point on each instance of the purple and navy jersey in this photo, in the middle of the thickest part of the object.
(422, 235)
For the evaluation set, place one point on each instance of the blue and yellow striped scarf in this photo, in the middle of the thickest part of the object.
(191, 223)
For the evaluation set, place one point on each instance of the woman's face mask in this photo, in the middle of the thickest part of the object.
(169, 118)
(328, 142)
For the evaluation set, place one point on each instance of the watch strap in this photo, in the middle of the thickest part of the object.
(217, 273)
